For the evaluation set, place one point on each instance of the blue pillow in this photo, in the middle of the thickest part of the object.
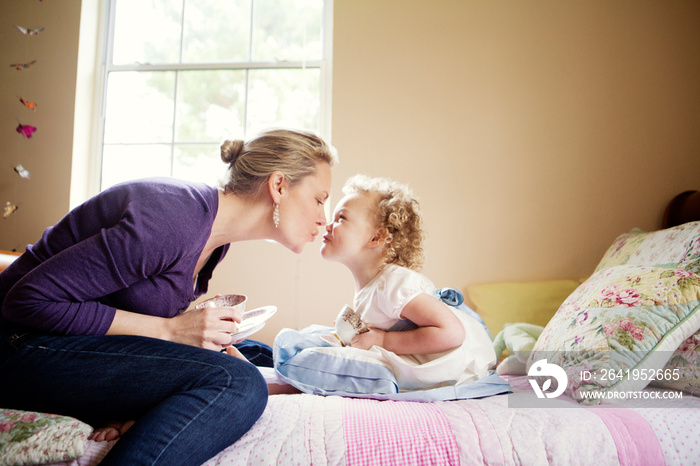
(307, 360)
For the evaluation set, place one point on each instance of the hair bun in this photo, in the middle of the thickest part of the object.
(231, 150)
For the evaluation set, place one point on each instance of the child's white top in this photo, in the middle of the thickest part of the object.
(380, 304)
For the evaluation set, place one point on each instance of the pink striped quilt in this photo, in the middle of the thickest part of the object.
(315, 430)
(397, 432)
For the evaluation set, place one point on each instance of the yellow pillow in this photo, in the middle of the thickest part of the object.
(529, 302)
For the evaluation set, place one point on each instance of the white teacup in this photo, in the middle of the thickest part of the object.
(348, 324)
(236, 301)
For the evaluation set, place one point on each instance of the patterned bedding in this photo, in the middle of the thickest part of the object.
(651, 429)
(310, 429)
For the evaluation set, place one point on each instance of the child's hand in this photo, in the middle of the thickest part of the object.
(369, 339)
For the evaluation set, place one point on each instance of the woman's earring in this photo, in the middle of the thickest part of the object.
(276, 215)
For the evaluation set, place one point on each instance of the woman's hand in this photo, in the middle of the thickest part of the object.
(209, 328)
(365, 341)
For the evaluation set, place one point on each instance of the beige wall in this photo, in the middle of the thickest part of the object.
(50, 82)
(533, 133)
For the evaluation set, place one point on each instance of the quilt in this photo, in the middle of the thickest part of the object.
(333, 430)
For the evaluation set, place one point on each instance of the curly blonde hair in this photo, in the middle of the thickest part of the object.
(397, 215)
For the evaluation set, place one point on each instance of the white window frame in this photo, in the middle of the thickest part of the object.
(104, 67)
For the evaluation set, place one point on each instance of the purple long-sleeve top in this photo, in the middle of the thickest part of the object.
(133, 247)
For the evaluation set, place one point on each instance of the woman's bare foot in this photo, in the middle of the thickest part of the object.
(281, 389)
(274, 388)
(111, 431)
(233, 351)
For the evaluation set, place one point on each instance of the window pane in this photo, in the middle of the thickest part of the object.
(147, 31)
(216, 31)
(199, 162)
(207, 84)
(139, 107)
(288, 30)
(284, 98)
(122, 163)
(210, 105)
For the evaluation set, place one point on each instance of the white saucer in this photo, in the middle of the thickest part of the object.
(253, 321)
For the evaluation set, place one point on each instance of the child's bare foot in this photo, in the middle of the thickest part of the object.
(111, 431)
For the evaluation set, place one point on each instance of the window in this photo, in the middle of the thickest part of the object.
(183, 75)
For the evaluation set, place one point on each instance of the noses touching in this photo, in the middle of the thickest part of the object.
(321, 219)
(328, 228)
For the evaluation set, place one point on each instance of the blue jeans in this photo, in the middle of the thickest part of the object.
(259, 354)
(189, 403)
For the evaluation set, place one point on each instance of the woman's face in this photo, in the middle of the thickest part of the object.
(302, 211)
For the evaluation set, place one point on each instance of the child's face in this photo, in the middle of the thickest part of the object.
(350, 230)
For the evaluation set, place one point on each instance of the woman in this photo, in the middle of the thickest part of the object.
(78, 304)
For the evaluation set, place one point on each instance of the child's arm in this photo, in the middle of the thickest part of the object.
(438, 330)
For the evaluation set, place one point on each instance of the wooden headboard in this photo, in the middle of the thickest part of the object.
(683, 208)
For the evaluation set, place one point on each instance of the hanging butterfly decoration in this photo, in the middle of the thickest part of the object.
(28, 103)
(26, 130)
(22, 66)
(10, 209)
(29, 31)
(21, 171)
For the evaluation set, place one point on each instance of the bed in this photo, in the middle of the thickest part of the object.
(643, 300)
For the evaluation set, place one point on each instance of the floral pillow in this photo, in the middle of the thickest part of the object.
(677, 248)
(33, 438)
(618, 330)
(685, 362)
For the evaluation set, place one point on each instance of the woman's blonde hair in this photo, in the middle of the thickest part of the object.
(397, 216)
(294, 153)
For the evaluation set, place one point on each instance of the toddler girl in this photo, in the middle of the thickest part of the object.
(376, 233)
